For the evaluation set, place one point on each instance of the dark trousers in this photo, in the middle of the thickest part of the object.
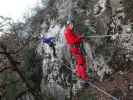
(54, 50)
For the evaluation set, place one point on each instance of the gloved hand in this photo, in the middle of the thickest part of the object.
(83, 38)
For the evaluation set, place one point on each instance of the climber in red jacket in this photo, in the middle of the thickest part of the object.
(73, 40)
(74, 43)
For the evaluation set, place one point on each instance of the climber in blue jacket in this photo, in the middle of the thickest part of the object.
(51, 42)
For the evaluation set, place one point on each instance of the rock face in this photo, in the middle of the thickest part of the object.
(101, 17)
(54, 81)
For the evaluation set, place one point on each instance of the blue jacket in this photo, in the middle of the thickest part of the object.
(49, 40)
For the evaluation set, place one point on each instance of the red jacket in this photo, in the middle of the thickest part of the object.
(80, 60)
(81, 67)
(70, 36)
(75, 51)
(81, 72)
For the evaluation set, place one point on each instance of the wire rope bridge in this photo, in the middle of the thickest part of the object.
(94, 86)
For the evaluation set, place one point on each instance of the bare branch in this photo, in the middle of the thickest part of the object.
(8, 83)
(22, 93)
(16, 69)
(26, 44)
(5, 68)
(1, 52)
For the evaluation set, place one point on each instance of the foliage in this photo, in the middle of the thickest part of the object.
(87, 95)
(32, 72)
(128, 9)
(44, 2)
(13, 85)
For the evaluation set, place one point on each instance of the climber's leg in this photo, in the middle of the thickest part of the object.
(54, 50)
(81, 72)
(80, 60)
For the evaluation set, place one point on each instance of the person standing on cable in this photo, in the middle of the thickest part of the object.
(74, 42)
(51, 42)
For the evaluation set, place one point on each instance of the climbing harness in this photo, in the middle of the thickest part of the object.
(94, 86)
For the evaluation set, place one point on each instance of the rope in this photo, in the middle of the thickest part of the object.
(94, 86)
(70, 18)
(102, 36)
